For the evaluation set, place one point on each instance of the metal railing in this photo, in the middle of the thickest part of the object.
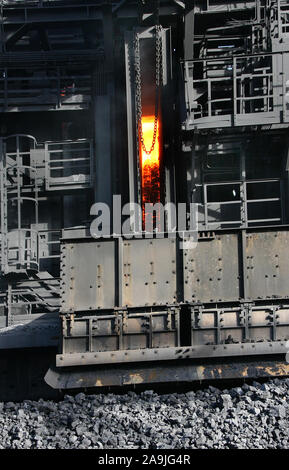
(18, 189)
(22, 250)
(238, 90)
(233, 204)
(68, 164)
(29, 297)
(49, 243)
(43, 2)
(55, 90)
(26, 168)
(283, 18)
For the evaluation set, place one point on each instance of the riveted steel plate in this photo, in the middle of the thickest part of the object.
(114, 273)
(88, 275)
(149, 272)
(211, 270)
(267, 264)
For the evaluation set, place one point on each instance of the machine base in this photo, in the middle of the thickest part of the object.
(88, 377)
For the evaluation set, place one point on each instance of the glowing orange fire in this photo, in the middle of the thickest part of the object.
(150, 165)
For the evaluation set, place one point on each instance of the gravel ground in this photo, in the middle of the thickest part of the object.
(251, 416)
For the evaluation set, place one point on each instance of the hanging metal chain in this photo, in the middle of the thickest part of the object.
(138, 87)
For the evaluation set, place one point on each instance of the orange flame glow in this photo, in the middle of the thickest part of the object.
(150, 164)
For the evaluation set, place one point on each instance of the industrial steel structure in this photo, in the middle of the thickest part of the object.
(161, 102)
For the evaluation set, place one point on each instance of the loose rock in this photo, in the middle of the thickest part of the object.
(251, 416)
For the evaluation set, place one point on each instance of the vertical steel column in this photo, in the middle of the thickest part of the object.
(3, 197)
(235, 90)
(9, 318)
(279, 18)
(104, 124)
(243, 188)
(189, 31)
(131, 130)
(21, 253)
(244, 271)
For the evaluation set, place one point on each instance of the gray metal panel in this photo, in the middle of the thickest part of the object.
(180, 372)
(145, 271)
(211, 271)
(243, 324)
(149, 272)
(88, 275)
(120, 331)
(31, 331)
(267, 264)
(168, 354)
